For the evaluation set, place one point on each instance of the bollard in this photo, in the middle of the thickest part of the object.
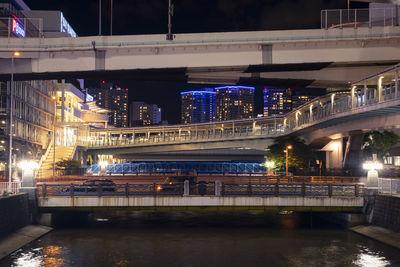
(186, 188)
(218, 188)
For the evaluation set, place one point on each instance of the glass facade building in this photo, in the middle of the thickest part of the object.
(234, 102)
(198, 106)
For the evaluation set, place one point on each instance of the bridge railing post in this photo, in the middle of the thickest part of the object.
(330, 190)
(276, 191)
(218, 188)
(99, 190)
(44, 193)
(127, 190)
(222, 189)
(249, 191)
(303, 189)
(71, 190)
(357, 190)
(154, 189)
(186, 188)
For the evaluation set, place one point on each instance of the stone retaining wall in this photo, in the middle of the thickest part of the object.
(14, 213)
(387, 212)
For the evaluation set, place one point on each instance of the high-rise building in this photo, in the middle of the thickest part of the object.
(300, 99)
(198, 106)
(277, 101)
(142, 114)
(234, 102)
(114, 99)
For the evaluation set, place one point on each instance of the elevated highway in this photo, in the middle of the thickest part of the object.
(319, 57)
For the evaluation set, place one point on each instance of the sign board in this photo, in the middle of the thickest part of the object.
(17, 27)
(65, 27)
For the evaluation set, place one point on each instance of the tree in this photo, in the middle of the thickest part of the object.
(379, 143)
(298, 157)
(68, 167)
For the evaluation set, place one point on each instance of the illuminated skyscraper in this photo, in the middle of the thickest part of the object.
(234, 102)
(142, 114)
(198, 106)
(277, 101)
(115, 99)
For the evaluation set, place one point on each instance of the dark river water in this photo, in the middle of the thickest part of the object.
(202, 245)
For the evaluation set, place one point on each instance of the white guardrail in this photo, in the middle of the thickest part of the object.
(15, 186)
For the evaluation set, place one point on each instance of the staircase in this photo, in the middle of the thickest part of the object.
(62, 153)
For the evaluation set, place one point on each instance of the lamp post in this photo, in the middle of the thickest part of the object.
(27, 167)
(269, 165)
(372, 176)
(15, 54)
(287, 159)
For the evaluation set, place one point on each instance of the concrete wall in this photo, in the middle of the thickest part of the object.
(198, 201)
(387, 212)
(14, 213)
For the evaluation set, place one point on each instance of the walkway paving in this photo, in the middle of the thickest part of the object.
(20, 238)
(381, 234)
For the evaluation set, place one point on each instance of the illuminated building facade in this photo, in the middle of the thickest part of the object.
(234, 102)
(298, 100)
(277, 101)
(198, 106)
(33, 120)
(114, 99)
(143, 114)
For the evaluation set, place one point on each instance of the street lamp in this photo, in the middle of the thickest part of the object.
(269, 165)
(27, 167)
(372, 176)
(15, 54)
(287, 159)
(103, 165)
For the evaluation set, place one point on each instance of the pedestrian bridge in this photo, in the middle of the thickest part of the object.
(373, 103)
(213, 196)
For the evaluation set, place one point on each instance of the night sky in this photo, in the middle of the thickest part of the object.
(190, 16)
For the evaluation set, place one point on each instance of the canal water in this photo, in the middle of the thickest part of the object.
(160, 243)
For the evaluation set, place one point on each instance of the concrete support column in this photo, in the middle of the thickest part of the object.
(380, 88)
(62, 100)
(332, 103)
(396, 83)
(254, 127)
(233, 128)
(148, 135)
(353, 97)
(311, 113)
(365, 93)
(133, 137)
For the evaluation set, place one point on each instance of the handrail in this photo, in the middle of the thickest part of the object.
(215, 189)
(44, 157)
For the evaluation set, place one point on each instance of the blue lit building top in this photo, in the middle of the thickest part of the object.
(198, 106)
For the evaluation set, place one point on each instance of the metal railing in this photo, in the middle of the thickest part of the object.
(316, 111)
(356, 18)
(206, 189)
(389, 186)
(15, 186)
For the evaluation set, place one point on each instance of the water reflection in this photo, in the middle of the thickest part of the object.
(367, 258)
(199, 246)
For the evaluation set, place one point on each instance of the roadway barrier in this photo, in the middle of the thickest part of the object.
(206, 189)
